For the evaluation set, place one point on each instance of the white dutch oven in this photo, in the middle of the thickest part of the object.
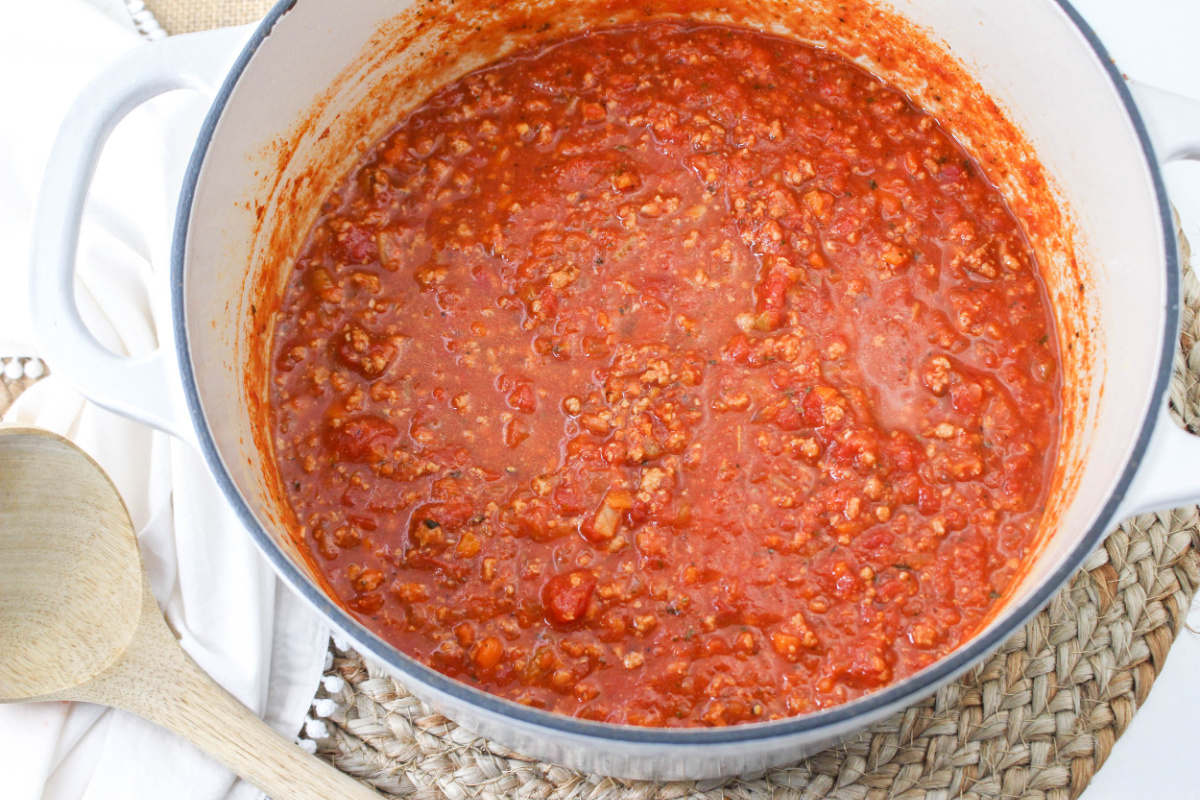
(318, 77)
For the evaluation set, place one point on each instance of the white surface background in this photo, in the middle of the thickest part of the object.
(1158, 42)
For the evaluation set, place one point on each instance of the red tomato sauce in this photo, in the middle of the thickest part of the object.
(668, 375)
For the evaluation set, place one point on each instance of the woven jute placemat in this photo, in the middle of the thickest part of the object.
(186, 16)
(1036, 720)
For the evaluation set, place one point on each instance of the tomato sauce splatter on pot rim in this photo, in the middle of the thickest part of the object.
(667, 375)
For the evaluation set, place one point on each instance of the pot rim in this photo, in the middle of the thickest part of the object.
(920, 684)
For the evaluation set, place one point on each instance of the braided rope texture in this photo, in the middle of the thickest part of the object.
(1036, 720)
(186, 16)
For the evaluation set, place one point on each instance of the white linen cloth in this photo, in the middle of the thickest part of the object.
(233, 615)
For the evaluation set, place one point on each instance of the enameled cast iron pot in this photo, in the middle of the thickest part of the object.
(319, 77)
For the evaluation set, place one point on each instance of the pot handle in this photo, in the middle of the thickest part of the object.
(1172, 120)
(144, 388)
(1169, 475)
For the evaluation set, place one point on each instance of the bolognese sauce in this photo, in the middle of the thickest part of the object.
(667, 375)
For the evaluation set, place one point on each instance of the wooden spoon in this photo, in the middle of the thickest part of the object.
(78, 621)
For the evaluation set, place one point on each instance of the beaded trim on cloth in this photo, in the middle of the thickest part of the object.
(1035, 720)
(17, 375)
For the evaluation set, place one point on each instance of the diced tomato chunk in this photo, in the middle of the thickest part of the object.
(566, 596)
(361, 439)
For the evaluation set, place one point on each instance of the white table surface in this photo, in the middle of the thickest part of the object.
(1158, 42)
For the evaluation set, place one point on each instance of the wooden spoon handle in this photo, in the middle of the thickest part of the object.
(156, 679)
